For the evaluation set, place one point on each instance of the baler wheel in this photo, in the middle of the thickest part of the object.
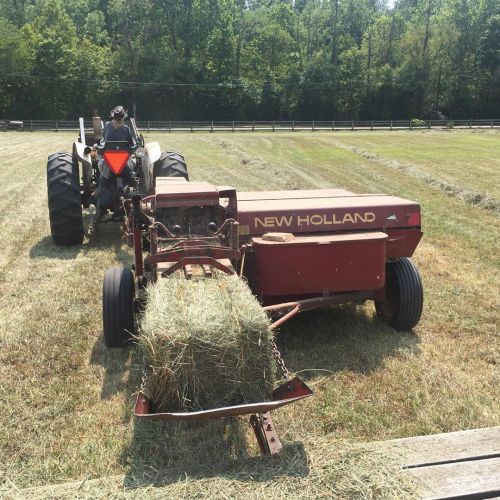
(65, 202)
(170, 164)
(118, 294)
(403, 305)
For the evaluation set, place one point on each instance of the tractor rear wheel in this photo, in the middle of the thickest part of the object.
(65, 201)
(170, 164)
(402, 307)
(118, 293)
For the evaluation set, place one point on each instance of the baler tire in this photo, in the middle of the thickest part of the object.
(405, 295)
(170, 164)
(64, 198)
(118, 293)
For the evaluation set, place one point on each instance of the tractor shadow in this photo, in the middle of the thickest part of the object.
(108, 236)
(164, 453)
(341, 338)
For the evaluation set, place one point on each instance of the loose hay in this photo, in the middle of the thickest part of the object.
(207, 344)
(326, 468)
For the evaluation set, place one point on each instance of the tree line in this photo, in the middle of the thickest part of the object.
(251, 59)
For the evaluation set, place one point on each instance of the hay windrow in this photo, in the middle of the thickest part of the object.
(207, 344)
(467, 195)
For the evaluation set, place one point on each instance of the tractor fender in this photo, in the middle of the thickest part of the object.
(86, 172)
(78, 151)
(153, 152)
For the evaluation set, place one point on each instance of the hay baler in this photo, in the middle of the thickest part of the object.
(298, 250)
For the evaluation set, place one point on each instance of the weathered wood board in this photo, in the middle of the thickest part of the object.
(475, 477)
(463, 464)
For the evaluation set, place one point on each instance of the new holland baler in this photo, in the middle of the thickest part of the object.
(307, 248)
(298, 250)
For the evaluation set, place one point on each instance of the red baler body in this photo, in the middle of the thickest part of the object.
(341, 241)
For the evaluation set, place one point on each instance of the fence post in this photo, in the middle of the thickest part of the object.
(57, 126)
(410, 126)
(371, 126)
(428, 124)
(212, 126)
(232, 126)
(313, 126)
(391, 124)
(31, 125)
(491, 123)
(253, 126)
(169, 127)
(293, 125)
(273, 125)
(352, 126)
(470, 123)
(333, 125)
(148, 125)
(191, 126)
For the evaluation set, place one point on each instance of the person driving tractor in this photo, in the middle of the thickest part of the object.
(115, 130)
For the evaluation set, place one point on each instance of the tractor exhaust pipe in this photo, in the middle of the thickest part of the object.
(97, 127)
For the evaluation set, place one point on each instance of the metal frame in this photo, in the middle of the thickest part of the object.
(295, 307)
(260, 417)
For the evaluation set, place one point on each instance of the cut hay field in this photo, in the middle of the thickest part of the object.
(67, 401)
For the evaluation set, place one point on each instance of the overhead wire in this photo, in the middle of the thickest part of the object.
(189, 86)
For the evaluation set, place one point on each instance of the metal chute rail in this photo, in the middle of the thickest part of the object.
(260, 419)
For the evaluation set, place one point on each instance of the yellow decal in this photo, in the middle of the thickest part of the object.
(314, 220)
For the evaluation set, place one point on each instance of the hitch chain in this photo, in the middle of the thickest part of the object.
(279, 359)
(144, 378)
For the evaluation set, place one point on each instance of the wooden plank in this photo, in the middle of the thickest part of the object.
(461, 479)
(453, 446)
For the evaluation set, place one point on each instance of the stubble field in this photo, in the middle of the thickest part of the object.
(67, 401)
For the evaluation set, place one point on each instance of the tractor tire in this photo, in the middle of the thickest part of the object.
(170, 164)
(65, 201)
(118, 293)
(402, 307)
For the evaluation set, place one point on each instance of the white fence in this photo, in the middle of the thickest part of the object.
(255, 126)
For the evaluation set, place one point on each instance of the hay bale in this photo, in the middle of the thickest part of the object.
(207, 343)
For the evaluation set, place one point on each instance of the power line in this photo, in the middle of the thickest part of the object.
(229, 85)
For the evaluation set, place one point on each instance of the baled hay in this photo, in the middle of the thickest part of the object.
(207, 344)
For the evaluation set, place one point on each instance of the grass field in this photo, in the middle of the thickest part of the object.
(67, 401)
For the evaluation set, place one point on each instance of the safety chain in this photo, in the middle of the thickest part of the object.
(144, 379)
(281, 363)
